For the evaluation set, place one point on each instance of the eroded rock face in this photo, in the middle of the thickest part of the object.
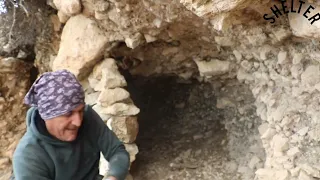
(13, 86)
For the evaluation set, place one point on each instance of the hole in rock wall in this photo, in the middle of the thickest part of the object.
(192, 130)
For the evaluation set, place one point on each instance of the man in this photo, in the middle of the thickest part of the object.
(64, 136)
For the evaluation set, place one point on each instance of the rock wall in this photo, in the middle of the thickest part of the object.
(206, 40)
(13, 87)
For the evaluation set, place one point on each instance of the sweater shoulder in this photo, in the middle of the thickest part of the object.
(29, 145)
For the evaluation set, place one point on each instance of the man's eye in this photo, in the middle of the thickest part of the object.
(68, 114)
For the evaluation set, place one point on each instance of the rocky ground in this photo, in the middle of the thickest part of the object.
(184, 132)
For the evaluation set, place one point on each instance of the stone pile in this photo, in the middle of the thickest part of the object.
(81, 49)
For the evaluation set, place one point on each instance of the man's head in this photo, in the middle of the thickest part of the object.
(59, 98)
(65, 127)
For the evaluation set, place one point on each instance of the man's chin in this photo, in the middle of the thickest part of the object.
(72, 136)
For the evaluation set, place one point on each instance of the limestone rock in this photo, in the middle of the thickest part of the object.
(88, 7)
(106, 75)
(134, 41)
(242, 75)
(257, 39)
(293, 151)
(63, 18)
(232, 166)
(246, 65)
(301, 26)
(126, 128)
(310, 170)
(265, 51)
(282, 57)
(105, 117)
(224, 102)
(281, 34)
(280, 143)
(100, 9)
(111, 96)
(91, 98)
(311, 75)
(205, 8)
(297, 70)
(304, 176)
(267, 174)
(297, 58)
(295, 172)
(269, 133)
(221, 21)
(263, 128)
(314, 133)
(50, 3)
(254, 162)
(132, 150)
(121, 109)
(101, 6)
(213, 68)
(238, 55)
(69, 7)
(303, 131)
(149, 38)
(82, 45)
(224, 41)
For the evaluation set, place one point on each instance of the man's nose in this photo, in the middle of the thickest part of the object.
(77, 119)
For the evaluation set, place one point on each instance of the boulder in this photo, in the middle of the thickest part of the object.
(82, 45)
(106, 75)
(121, 109)
(301, 26)
(99, 110)
(126, 128)
(213, 68)
(111, 96)
(69, 7)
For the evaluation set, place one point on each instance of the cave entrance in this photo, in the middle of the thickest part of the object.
(192, 130)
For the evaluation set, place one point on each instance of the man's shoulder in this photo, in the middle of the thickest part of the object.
(28, 145)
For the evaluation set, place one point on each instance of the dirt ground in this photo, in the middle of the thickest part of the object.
(183, 135)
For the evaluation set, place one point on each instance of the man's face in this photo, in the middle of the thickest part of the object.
(66, 127)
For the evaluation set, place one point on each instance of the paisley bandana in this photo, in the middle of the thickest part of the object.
(55, 93)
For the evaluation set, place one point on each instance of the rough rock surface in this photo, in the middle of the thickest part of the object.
(82, 45)
(13, 86)
(182, 131)
(69, 8)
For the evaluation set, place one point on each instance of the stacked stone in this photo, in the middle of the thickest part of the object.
(104, 84)
(114, 104)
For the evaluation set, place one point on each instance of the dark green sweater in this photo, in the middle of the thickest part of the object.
(40, 156)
